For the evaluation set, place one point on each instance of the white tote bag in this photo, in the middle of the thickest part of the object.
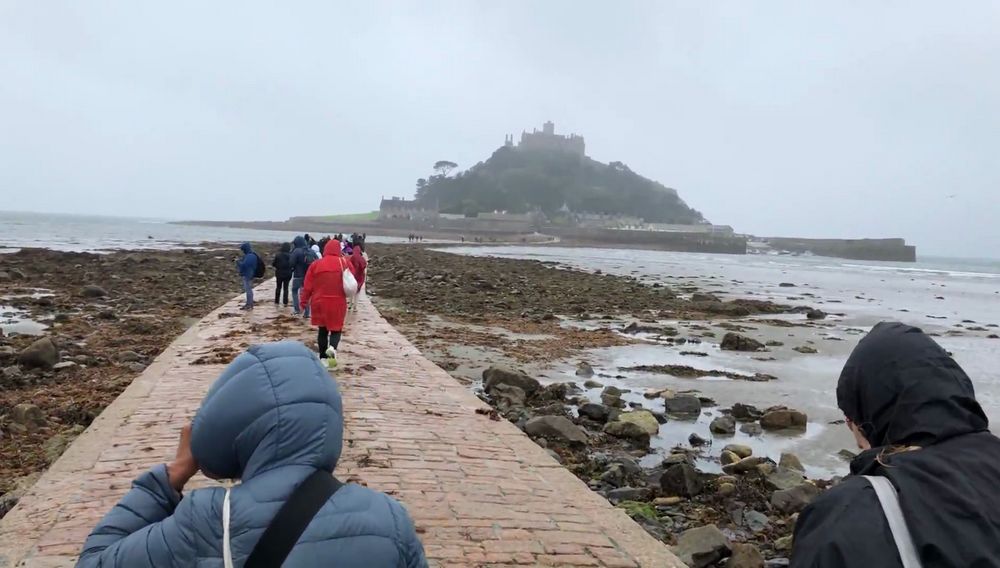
(350, 282)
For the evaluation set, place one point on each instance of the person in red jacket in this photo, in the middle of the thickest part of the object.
(323, 289)
(358, 266)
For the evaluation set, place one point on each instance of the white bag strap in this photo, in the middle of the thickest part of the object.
(227, 551)
(889, 500)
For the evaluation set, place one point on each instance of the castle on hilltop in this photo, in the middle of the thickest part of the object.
(548, 140)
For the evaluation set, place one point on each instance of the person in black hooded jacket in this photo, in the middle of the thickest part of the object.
(282, 264)
(914, 413)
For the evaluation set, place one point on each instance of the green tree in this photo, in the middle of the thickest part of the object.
(442, 167)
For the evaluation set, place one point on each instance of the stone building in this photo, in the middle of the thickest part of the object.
(547, 140)
(405, 209)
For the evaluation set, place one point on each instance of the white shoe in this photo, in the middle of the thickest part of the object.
(331, 352)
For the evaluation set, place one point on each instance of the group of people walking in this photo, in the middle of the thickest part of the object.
(314, 271)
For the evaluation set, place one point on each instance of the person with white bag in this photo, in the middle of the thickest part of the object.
(328, 285)
(926, 489)
(273, 420)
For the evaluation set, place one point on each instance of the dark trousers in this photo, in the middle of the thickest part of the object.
(327, 338)
(282, 288)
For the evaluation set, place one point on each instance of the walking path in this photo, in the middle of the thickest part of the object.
(481, 493)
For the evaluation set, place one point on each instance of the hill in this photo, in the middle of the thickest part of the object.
(519, 180)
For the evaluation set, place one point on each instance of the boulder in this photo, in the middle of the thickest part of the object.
(93, 291)
(745, 556)
(756, 521)
(612, 396)
(595, 412)
(695, 440)
(627, 430)
(56, 445)
(683, 406)
(786, 285)
(727, 488)
(784, 478)
(728, 457)
(805, 349)
(751, 429)
(815, 314)
(628, 494)
(791, 461)
(643, 419)
(129, 357)
(739, 449)
(681, 480)
(724, 425)
(556, 428)
(27, 415)
(500, 375)
(63, 366)
(702, 546)
(784, 419)
(745, 465)
(783, 543)
(746, 412)
(555, 391)
(584, 370)
(736, 342)
(508, 396)
(793, 500)
(592, 384)
(42, 354)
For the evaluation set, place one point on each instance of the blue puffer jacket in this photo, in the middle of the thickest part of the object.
(301, 257)
(272, 418)
(248, 264)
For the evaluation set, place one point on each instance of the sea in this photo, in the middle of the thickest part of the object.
(956, 299)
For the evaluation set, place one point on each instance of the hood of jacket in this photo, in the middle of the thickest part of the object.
(274, 405)
(285, 247)
(902, 388)
(332, 248)
(245, 247)
(299, 242)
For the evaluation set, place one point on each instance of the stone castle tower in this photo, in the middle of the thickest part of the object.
(547, 140)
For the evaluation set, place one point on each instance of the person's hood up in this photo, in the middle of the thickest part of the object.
(902, 388)
(299, 242)
(285, 247)
(273, 406)
(332, 248)
(245, 247)
(357, 252)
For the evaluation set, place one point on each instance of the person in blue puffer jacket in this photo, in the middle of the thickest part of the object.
(247, 267)
(271, 419)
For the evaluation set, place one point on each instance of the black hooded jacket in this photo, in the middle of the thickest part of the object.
(905, 391)
(282, 262)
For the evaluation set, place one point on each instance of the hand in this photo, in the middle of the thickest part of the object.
(183, 468)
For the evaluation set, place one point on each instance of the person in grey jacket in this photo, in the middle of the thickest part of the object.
(270, 420)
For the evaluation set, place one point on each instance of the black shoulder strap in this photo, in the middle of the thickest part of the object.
(292, 519)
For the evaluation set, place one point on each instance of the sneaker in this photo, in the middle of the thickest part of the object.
(329, 362)
(331, 352)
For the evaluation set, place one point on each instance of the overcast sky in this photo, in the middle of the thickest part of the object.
(843, 119)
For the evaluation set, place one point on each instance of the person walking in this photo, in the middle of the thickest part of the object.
(913, 411)
(359, 267)
(274, 420)
(302, 257)
(247, 268)
(324, 288)
(282, 264)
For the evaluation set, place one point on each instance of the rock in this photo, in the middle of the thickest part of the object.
(681, 480)
(21, 486)
(27, 415)
(784, 478)
(667, 501)
(724, 425)
(592, 384)
(795, 499)
(595, 412)
(10, 376)
(736, 342)
(728, 457)
(774, 343)
(93, 291)
(612, 396)
(500, 375)
(695, 440)
(805, 349)
(61, 318)
(703, 297)
(555, 392)
(5, 275)
(783, 543)
(745, 556)
(745, 412)
(815, 314)
(784, 419)
(674, 459)
(63, 366)
(683, 406)
(751, 429)
(555, 427)
(628, 494)
(56, 445)
(791, 461)
(660, 417)
(786, 285)
(756, 521)
(627, 430)
(508, 396)
(42, 354)
(726, 489)
(739, 449)
(136, 367)
(702, 546)
(107, 315)
(7, 352)
(643, 419)
(745, 465)
(766, 468)
(584, 370)
(129, 357)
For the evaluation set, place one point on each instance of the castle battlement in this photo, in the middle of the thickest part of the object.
(547, 140)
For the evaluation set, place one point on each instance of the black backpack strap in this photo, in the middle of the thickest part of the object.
(292, 519)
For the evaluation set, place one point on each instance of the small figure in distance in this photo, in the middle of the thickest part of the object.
(913, 411)
(247, 267)
(282, 264)
(274, 420)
